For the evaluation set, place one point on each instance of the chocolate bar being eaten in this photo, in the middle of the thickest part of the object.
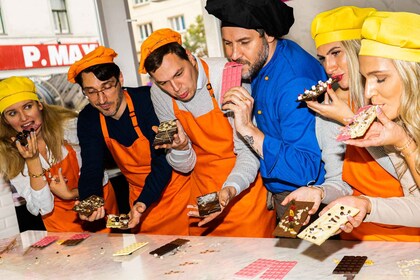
(208, 203)
(316, 90)
(166, 132)
(87, 206)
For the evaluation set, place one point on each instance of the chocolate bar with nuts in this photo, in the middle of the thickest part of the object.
(87, 206)
(293, 219)
(166, 132)
(115, 221)
(316, 90)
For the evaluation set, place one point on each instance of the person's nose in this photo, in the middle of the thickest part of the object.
(369, 91)
(175, 86)
(236, 53)
(330, 66)
(101, 97)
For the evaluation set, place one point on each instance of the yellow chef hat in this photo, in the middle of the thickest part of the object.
(157, 39)
(394, 35)
(339, 24)
(14, 90)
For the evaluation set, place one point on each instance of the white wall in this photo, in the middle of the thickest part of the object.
(8, 220)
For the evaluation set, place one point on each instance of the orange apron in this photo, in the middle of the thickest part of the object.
(212, 140)
(367, 177)
(63, 218)
(169, 214)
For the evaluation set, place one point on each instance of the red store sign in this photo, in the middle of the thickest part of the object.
(40, 56)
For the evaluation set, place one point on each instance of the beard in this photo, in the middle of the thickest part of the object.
(258, 64)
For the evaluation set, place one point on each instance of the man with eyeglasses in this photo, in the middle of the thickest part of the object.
(120, 120)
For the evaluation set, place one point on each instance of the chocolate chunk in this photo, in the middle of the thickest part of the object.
(89, 205)
(166, 132)
(293, 219)
(208, 204)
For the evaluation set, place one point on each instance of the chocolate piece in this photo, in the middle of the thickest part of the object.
(115, 221)
(87, 206)
(22, 137)
(293, 218)
(350, 265)
(316, 90)
(208, 203)
(166, 132)
(169, 247)
(72, 242)
(327, 224)
(359, 124)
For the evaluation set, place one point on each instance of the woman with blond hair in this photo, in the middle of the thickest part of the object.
(43, 157)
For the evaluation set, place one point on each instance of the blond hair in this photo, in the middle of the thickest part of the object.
(356, 87)
(409, 111)
(53, 119)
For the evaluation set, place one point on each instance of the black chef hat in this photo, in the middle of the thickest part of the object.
(274, 16)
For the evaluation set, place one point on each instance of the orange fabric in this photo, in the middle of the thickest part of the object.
(100, 55)
(169, 214)
(367, 177)
(157, 39)
(212, 140)
(63, 218)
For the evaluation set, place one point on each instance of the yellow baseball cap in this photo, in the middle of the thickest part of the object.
(157, 39)
(14, 90)
(394, 35)
(339, 24)
(100, 55)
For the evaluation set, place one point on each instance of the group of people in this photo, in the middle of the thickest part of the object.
(256, 146)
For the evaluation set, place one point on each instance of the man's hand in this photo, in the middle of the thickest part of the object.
(225, 196)
(311, 194)
(96, 215)
(180, 141)
(136, 211)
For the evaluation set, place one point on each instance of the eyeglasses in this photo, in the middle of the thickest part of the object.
(93, 94)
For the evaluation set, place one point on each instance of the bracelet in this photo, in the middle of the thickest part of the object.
(321, 189)
(405, 146)
(37, 175)
(409, 153)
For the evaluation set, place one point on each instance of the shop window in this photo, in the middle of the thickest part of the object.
(59, 12)
(145, 30)
(177, 23)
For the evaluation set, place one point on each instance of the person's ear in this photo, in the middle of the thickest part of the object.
(269, 38)
(121, 78)
(191, 58)
(40, 106)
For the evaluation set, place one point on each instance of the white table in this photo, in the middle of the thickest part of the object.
(201, 258)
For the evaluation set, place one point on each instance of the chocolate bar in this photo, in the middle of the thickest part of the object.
(115, 221)
(130, 249)
(169, 247)
(350, 265)
(22, 137)
(87, 206)
(359, 124)
(327, 224)
(293, 219)
(166, 132)
(208, 203)
(232, 76)
(316, 90)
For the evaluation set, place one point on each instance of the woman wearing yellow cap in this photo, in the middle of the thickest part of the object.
(43, 165)
(337, 35)
(390, 63)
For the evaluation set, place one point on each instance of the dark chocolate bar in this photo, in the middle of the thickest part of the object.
(350, 265)
(293, 219)
(89, 205)
(169, 247)
(72, 242)
(22, 137)
(208, 203)
(166, 132)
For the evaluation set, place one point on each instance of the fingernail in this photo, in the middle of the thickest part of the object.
(329, 86)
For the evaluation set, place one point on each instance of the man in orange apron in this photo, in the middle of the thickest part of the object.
(120, 121)
(207, 145)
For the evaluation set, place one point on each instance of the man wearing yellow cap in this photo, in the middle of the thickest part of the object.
(188, 89)
(279, 70)
(43, 165)
(120, 120)
(390, 63)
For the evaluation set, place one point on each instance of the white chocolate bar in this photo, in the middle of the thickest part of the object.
(326, 225)
(130, 249)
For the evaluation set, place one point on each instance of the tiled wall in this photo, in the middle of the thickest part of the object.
(8, 220)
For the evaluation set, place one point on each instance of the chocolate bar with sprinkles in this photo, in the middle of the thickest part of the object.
(166, 132)
(327, 224)
(316, 90)
(293, 219)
